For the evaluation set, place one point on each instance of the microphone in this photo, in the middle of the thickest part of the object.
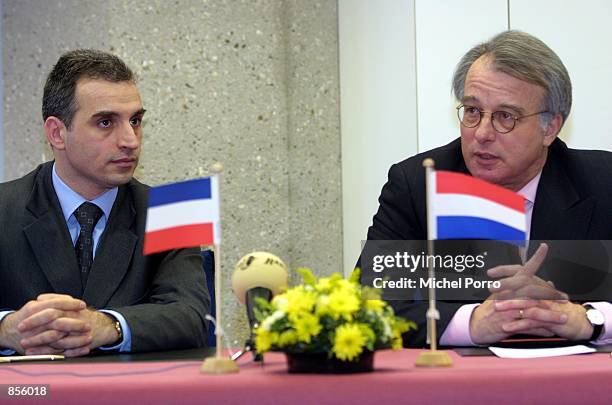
(258, 274)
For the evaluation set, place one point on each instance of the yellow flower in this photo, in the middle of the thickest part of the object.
(264, 339)
(345, 285)
(299, 300)
(306, 326)
(349, 342)
(287, 338)
(375, 305)
(343, 303)
(327, 313)
(396, 343)
(322, 307)
(323, 285)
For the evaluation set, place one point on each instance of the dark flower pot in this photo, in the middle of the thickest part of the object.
(320, 363)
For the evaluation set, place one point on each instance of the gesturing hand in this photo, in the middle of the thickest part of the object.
(515, 306)
(520, 281)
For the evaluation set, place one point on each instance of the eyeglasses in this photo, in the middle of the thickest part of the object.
(502, 121)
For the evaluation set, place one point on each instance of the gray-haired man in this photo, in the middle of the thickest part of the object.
(514, 96)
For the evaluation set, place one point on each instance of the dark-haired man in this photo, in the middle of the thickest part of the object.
(515, 95)
(72, 274)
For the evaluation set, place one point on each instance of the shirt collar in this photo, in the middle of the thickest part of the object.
(70, 200)
(529, 190)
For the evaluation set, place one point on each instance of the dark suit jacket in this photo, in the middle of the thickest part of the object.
(573, 202)
(163, 297)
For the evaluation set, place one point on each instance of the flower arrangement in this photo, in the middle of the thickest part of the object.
(328, 315)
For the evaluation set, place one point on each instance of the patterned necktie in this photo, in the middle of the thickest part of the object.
(87, 215)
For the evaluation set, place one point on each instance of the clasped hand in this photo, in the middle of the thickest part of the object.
(57, 324)
(525, 304)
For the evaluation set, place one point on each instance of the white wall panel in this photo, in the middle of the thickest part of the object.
(581, 34)
(1, 105)
(445, 31)
(396, 63)
(378, 106)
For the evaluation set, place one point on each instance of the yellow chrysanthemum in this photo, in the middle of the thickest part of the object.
(299, 300)
(375, 305)
(349, 342)
(326, 312)
(350, 288)
(287, 338)
(322, 307)
(343, 303)
(396, 343)
(306, 326)
(265, 339)
(324, 285)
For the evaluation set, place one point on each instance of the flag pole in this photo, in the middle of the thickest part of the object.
(433, 357)
(218, 314)
(218, 364)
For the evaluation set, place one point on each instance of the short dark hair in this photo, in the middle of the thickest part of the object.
(59, 94)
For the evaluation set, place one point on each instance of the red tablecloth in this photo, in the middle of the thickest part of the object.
(575, 379)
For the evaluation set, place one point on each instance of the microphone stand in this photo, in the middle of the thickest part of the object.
(249, 345)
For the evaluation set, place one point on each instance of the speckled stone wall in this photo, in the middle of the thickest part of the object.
(252, 84)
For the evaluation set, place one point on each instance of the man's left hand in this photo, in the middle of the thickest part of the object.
(98, 331)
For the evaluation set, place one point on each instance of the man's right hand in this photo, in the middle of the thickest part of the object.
(55, 336)
(489, 324)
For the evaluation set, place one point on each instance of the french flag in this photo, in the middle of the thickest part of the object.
(182, 215)
(464, 207)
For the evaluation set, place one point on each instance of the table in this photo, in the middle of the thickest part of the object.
(149, 379)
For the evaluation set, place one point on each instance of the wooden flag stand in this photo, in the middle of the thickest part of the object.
(218, 364)
(433, 357)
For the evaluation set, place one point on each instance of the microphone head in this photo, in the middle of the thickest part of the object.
(259, 269)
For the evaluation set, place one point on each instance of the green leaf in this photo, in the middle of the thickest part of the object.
(355, 276)
(262, 309)
(307, 275)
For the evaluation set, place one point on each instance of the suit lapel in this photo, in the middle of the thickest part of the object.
(559, 211)
(49, 238)
(114, 253)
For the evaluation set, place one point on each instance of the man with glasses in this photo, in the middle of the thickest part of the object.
(515, 95)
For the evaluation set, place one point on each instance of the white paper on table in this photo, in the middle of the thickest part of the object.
(506, 353)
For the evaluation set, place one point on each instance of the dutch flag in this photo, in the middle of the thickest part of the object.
(182, 215)
(464, 207)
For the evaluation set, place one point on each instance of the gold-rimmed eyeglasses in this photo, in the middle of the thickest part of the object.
(502, 121)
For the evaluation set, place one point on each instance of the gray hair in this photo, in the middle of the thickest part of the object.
(526, 58)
